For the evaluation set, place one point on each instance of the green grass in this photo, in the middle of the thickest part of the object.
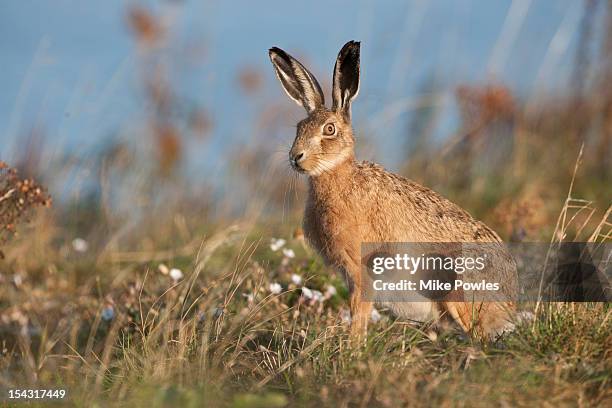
(201, 342)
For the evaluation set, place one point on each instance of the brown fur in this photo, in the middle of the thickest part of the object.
(352, 202)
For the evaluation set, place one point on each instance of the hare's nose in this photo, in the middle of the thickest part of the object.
(296, 158)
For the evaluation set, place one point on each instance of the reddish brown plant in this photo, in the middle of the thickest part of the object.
(18, 197)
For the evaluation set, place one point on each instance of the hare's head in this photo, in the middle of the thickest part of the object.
(325, 138)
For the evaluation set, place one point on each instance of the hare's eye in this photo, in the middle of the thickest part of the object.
(329, 129)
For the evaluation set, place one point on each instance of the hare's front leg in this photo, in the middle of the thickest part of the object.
(361, 309)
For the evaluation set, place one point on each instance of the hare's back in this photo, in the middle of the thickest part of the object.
(400, 209)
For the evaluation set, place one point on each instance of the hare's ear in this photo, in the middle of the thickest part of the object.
(298, 82)
(346, 78)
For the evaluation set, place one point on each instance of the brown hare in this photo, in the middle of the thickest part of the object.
(351, 202)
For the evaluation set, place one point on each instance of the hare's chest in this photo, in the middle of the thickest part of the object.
(332, 231)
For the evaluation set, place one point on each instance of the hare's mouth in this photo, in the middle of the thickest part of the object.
(296, 162)
(295, 166)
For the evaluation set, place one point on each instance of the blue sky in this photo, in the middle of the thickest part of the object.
(70, 67)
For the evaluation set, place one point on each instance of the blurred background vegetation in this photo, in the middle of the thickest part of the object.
(129, 110)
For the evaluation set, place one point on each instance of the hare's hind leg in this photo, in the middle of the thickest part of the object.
(485, 320)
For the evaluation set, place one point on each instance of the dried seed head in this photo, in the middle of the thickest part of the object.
(18, 197)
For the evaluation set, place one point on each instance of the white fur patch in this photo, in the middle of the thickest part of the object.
(329, 165)
(415, 311)
(288, 79)
(311, 97)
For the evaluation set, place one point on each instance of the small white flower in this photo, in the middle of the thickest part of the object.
(249, 297)
(80, 245)
(317, 296)
(176, 274)
(313, 295)
(163, 269)
(276, 244)
(275, 288)
(288, 252)
(330, 291)
(375, 316)
(307, 293)
(295, 278)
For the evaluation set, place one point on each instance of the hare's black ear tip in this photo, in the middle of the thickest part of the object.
(276, 52)
(351, 47)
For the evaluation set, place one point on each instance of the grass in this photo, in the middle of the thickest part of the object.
(118, 331)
